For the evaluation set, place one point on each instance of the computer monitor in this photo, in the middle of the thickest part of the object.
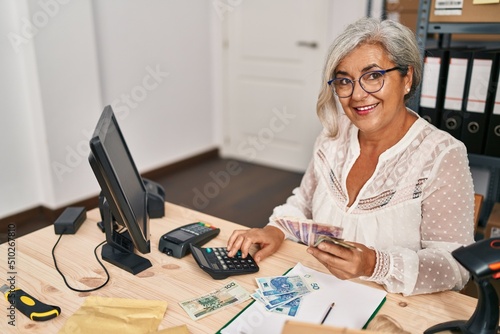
(124, 199)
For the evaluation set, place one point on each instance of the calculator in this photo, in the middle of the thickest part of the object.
(176, 242)
(217, 264)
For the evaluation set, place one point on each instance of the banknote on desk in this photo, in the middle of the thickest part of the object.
(282, 294)
(230, 294)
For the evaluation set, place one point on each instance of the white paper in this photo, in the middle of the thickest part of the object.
(449, 4)
(354, 305)
(448, 7)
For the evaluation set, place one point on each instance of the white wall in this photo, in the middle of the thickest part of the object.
(342, 13)
(68, 75)
(62, 61)
(20, 166)
(172, 39)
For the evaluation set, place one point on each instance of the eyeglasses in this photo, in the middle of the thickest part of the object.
(371, 82)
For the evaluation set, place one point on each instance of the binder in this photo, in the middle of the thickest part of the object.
(476, 113)
(492, 145)
(452, 115)
(433, 85)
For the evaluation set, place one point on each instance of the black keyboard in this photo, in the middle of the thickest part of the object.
(217, 264)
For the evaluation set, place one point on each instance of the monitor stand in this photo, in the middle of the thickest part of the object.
(119, 248)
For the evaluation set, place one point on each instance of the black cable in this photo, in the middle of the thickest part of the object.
(64, 278)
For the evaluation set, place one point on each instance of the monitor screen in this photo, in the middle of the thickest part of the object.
(125, 196)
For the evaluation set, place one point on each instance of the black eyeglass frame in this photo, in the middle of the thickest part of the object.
(382, 72)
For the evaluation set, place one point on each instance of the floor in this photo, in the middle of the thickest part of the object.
(241, 192)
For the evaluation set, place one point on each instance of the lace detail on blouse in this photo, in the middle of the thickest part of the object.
(376, 202)
(382, 267)
(329, 175)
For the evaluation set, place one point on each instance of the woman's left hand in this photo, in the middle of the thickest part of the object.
(345, 263)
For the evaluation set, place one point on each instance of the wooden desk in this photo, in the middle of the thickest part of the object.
(172, 279)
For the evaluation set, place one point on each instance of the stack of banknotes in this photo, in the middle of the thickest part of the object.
(230, 294)
(283, 294)
(308, 231)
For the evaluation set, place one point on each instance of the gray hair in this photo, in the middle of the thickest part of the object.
(396, 39)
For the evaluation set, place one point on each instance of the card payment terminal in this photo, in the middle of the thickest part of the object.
(176, 242)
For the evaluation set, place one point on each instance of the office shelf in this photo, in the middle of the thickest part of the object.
(444, 31)
(463, 28)
(492, 164)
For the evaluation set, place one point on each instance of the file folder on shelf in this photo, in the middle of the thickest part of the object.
(479, 86)
(492, 145)
(452, 116)
(433, 85)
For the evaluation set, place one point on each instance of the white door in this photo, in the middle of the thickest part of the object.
(275, 55)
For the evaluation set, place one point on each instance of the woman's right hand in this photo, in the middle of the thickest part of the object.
(268, 238)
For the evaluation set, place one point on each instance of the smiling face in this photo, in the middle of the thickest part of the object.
(379, 113)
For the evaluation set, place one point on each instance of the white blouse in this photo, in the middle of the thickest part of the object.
(416, 208)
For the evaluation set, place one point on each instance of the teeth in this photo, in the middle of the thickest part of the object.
(367, 107)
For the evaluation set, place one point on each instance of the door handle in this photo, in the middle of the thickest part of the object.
(312, 45)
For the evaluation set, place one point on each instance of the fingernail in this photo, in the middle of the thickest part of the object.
(309, 250)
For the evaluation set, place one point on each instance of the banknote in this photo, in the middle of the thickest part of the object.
(307, 231)
(335, 241)
(230, 294)
(275, 301)
(291, 308)
(319, 230)
(258, 297)
(283, 294)
(290, 225)
(311, 282)
(279, 285)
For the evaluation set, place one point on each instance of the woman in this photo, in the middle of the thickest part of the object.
(400, 188)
